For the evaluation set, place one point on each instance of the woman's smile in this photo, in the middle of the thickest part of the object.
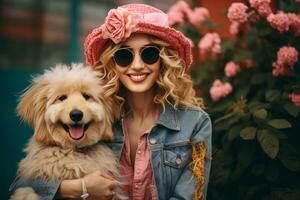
(138, 77)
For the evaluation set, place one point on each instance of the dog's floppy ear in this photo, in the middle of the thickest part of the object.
(31, 102)
(108, 133)
(31, 108)
(108, 119)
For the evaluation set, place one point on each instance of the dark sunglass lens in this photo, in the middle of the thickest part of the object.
(150, 55)
(123, 57)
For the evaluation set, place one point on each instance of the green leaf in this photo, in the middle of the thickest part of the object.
(272, 172)
(256, 105)
(290, 162)
(264, 30)
(233, 132)
(258, 169)
(241, 55)
(236, 173)
(212, 25)
(222, 107)
(279, 134)
(291, 109)
(248, 133)
(225, 122)
(242, 91)
(207, 24)
(262, 114)
(246, 117)
(272, 95)
(245, 155)
(288, 155)
(252, 191)
(268, 142)
(222, 167)
(258, 79)
(225, 117)
(227, 45)
(280, 123)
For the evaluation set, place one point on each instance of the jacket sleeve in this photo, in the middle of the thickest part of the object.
(187, 182)
(46, 190)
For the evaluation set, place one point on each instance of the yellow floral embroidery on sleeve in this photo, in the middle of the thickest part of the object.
(198, 157)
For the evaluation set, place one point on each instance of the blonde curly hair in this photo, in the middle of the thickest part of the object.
(173, 85)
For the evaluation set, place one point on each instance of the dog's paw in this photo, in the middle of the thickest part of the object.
(26, 193)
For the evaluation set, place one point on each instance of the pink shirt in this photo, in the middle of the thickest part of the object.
(139, 180)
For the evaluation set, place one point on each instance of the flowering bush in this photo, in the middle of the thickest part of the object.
(251, 88)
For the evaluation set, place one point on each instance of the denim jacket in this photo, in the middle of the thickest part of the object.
(169, 143)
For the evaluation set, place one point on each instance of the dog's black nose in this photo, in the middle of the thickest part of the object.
(76, 115)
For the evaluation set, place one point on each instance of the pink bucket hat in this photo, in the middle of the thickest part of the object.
(120, 23)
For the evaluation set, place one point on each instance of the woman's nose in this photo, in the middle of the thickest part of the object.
(137, 63)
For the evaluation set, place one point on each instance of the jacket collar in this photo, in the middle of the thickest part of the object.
(169, 118)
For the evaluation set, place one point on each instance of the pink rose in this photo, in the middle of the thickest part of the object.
(118, 25)
(237, 12)
(232, 69)
(281, 70)
(257, 3)
(294, 23)
(220, 90)
(182, 6)
(234, 28)
(264, 10)
(279, 21)
(210, 42)
(177, 12)
(175, 17)
(295, 98)
(287, 55)
(198, 16)
(261, 6)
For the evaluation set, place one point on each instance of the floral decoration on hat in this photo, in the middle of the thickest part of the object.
(118, 25)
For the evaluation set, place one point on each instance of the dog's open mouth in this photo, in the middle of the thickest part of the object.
(76, 131)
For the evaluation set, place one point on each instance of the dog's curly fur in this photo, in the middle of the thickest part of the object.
(53, 152)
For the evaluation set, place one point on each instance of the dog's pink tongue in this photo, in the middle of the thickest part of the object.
(76, 132)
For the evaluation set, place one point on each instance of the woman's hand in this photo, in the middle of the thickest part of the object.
(99, 187)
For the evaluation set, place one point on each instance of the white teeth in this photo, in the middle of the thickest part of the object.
(138, 77)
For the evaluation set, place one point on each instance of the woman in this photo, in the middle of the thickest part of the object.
(144, 62)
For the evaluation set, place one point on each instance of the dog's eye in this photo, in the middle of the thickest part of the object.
(62, 97)
(86, 96)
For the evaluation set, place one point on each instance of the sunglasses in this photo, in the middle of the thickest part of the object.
(124, 56)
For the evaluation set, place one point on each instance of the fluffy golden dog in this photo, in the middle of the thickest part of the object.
(69, 114)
